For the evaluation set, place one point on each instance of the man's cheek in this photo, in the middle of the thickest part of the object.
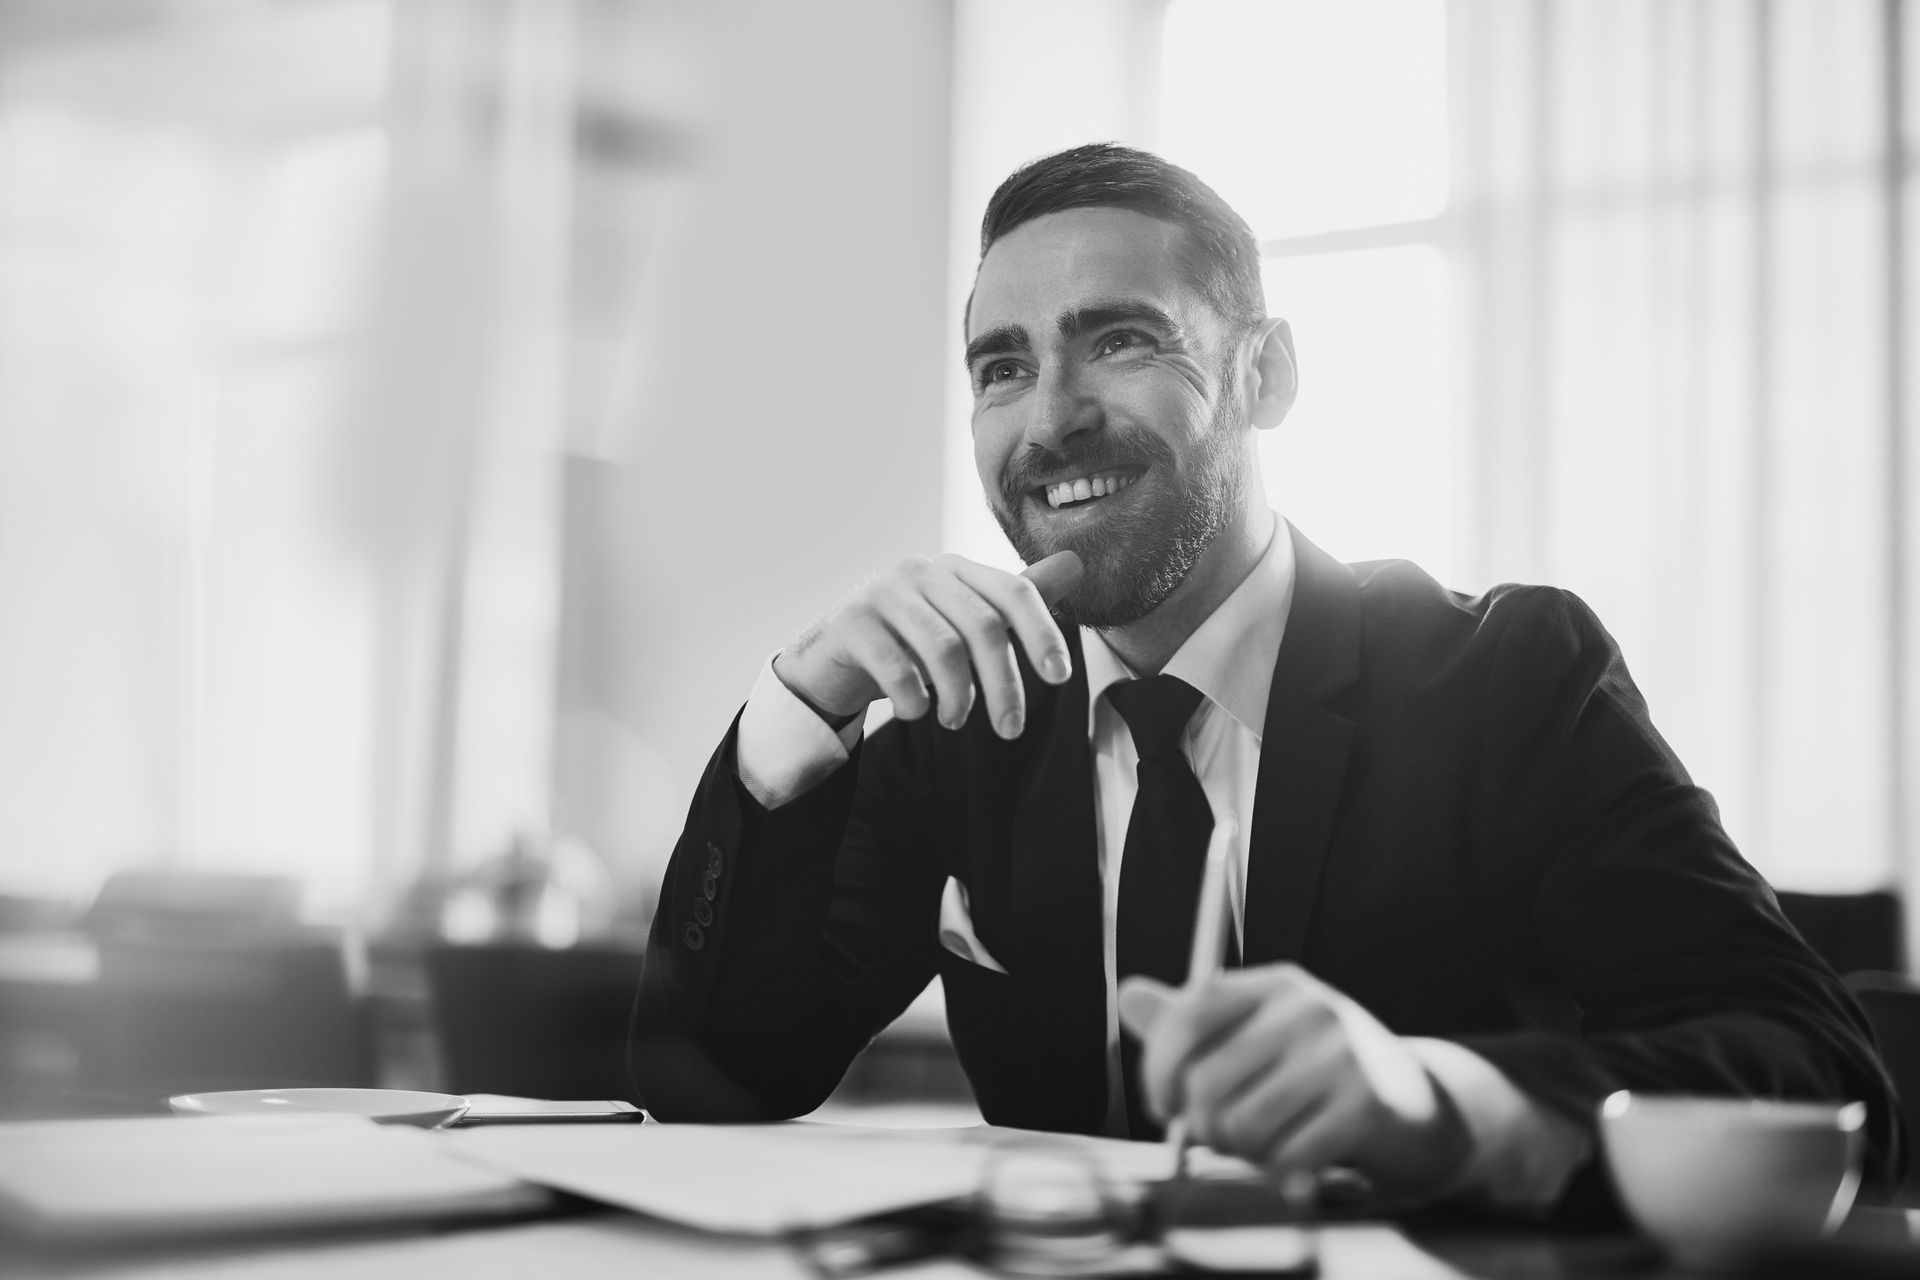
(990, 461)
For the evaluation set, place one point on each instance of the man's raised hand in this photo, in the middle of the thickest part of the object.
(927, 633)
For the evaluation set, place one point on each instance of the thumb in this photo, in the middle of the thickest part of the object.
(1056, 576)
(1142, 1000)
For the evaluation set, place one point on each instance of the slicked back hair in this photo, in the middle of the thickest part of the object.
(1219, 253)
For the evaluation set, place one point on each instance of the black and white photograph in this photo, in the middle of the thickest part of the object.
(810, 639)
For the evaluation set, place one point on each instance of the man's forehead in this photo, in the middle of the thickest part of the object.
(1063, 262)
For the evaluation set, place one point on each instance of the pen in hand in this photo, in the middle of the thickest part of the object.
(1209, 948)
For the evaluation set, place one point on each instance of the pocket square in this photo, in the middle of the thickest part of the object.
(956, 928)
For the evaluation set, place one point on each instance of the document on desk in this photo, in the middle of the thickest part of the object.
(773, 1178)
(93, 1180)
(745, 1179)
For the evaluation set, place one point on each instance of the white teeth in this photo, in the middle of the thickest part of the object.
(1086, 487)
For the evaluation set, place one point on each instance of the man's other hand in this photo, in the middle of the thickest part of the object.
(1273, 1065)
(927, 633)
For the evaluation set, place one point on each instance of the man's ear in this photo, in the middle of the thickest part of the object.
(1276, 377)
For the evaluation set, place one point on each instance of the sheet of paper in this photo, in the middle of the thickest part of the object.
(750, 1179)
(769, 1179)
(101, 1179)
(1119, 1159)
(1364, 1250)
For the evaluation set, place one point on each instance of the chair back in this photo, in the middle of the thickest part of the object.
(191, 904)
(179, 1016)
(534, 1022)
(1850, 931)
(1892, 1005)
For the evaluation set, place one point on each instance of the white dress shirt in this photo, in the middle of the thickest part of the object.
(1522, 1152)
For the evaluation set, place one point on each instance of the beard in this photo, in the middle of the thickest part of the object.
(1137, 557)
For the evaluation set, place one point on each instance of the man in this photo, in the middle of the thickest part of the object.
(1472, 890)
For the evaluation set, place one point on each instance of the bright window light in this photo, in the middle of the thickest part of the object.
(1310, 116)
(1363, 463)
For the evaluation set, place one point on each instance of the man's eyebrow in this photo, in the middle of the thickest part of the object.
(1100, 314)
(1008, 339)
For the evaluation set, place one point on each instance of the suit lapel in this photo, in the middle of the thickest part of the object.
(1056, 907)
(1303, 755)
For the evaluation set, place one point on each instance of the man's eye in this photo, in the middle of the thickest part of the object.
(1003, 371)
(1114, 342)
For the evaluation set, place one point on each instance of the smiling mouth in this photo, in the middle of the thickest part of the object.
(1085, 490)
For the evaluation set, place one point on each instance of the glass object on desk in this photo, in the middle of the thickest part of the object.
(1052, 1213)
(552, 891)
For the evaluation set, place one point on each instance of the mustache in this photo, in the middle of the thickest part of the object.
(1108, 449)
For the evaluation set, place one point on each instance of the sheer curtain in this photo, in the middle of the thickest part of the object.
(1643, 340)
(281, 294)
(1676, 238)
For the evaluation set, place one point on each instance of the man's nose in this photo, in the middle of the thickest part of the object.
(1063, 407)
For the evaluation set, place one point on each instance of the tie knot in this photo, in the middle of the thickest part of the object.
(1156, 710)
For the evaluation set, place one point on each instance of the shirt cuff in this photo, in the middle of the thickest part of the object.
(1523, 1153)
(784, 749)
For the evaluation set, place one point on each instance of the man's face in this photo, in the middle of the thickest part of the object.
(1107, 416)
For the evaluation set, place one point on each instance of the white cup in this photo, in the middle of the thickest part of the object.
(1715, 1178)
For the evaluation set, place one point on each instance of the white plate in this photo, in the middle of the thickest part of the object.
(382, 1106)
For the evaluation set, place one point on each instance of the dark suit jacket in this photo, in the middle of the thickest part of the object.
(1464, 819)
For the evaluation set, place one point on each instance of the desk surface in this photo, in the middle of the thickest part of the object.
(613, 1246)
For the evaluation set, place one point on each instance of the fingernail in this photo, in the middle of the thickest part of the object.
(1057, 666)
(1011, 724)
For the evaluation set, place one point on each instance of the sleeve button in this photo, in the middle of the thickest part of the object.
(693, 936)
(702, 912)
(710, 886)
(715, 862)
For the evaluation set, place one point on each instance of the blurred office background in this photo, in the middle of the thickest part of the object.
(419, 419)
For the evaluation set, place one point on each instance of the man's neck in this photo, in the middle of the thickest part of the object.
(1149, 644)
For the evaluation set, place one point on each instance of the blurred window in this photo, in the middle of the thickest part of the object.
(1325, 126)
(1609, 296)
(189, 211)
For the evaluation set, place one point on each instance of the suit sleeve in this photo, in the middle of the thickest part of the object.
(785, 939)
(1656, 957)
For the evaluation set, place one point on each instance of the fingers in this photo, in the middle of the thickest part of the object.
(1289, 1036)
(936, 646)
(1057, 576)
(954, 615)
(1329, 1135)
(1275, 1066)
(930, 633)
(983, 629)
(1142, 1000)
(889, 664)
(1187, 1028)
(1273, 1103)
(1023, 604)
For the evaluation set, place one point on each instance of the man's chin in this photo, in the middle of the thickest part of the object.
(1121, 585)
(1104, 611)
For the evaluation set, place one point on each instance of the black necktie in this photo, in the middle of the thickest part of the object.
(1165, 854)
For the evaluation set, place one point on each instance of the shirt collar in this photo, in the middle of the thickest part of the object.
(1229, 658)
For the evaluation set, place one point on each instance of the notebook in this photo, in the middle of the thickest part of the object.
(100, 1180)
